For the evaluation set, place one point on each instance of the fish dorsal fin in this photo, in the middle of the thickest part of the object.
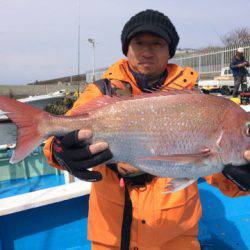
(163, 92)
(105, 100)
(171, 91)
(95, 104)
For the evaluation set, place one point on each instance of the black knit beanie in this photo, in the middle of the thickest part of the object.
(150, 21)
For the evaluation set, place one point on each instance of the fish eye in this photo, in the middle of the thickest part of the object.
(248, 129)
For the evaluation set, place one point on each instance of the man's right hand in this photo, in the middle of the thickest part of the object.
(241, 65)
(246, 64)
(75, 154)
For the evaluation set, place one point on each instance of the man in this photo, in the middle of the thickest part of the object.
(238, 66)
(128, 211)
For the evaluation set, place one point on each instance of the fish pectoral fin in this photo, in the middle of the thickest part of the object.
(177, 184)
(180, 158)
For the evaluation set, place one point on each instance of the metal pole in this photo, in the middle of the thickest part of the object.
(222, 59)
(93, 60)
(78, 57)
(92, 42)
(199, 65)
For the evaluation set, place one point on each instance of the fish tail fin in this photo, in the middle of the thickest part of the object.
(27, 120)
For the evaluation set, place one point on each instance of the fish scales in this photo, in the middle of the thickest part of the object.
(166, 125)
(179, 136)
(163, 125)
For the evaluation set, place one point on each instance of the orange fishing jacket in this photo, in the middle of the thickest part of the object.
(160, 221)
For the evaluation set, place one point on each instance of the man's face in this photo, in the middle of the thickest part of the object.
(148, 54)
(239, 55)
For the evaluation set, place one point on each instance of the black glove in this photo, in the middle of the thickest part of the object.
(74, 156)
(240, 175)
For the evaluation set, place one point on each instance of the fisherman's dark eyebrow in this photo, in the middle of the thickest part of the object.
(136, 39)
(156, 39)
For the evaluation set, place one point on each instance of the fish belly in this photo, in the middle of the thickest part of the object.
(135, 148)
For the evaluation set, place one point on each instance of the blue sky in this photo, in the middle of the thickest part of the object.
(38, 39)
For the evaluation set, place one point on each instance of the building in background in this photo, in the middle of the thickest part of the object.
(209, 62)
(67, 79)
(69, 84)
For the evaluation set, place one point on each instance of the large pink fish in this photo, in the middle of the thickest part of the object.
(172, 134)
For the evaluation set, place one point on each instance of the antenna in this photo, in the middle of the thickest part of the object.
(78, 51)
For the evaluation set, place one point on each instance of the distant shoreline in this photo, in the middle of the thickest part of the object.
(22, 91)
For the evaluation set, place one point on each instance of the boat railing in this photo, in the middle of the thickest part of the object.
(33, 165)
(23, 185)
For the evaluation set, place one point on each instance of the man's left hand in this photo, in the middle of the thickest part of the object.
(240, 175)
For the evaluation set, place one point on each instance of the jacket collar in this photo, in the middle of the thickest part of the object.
(120, 71)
